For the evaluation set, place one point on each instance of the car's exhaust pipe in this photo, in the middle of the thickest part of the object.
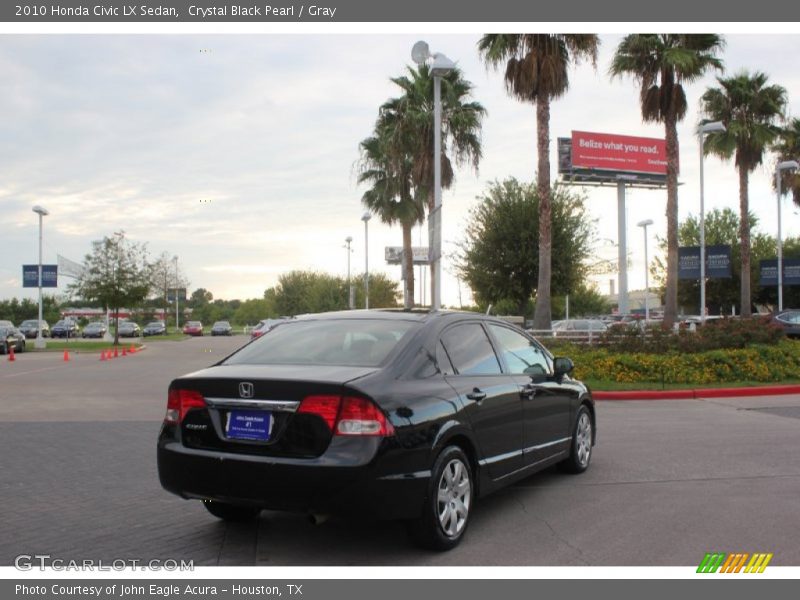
(317, 519)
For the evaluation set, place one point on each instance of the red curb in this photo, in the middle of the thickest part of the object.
(774, 390)
(646, 395)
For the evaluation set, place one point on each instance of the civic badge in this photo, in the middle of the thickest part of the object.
(246, 389)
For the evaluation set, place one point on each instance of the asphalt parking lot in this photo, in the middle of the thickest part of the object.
(670, 481)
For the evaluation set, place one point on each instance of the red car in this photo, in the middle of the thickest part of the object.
(193, 328)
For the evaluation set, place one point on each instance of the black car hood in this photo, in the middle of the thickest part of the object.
(311, 373)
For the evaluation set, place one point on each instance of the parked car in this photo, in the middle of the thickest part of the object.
(581, 329)
(375, 414)
(6, 323)
(65, 328)
(221, 328)
(30, 328)
(11, 337)
(96, 329)
(789, 320)
(155, 328)
(264, 325)
(193, 328)
(129, 329)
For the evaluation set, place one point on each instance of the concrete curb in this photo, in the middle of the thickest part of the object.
(693, 394)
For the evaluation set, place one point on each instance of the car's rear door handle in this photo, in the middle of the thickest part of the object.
(476, 394)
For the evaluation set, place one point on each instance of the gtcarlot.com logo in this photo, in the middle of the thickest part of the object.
(28, 562)
(737, 562)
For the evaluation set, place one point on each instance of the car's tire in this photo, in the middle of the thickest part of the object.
(580, 450)
(446, 511)
(21, 348)
(231, 512)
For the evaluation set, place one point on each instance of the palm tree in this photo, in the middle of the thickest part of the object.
(391, 196)
(750, 110)
(537, 71)
(661, 64)
(408, 125)
(788, 148)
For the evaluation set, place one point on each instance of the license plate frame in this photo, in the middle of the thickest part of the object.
(249, 425)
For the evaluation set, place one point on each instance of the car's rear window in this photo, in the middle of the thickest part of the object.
(340, 342)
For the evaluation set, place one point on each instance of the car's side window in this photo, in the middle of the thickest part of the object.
(522, 356)
(470, 350)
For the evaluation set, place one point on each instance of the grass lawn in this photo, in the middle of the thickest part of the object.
(613, 386)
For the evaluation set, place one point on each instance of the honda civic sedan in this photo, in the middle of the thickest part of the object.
(393, 415)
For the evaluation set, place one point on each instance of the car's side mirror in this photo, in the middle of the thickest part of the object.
(562, 366)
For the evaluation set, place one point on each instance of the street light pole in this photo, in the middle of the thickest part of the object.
(366, 217)
(643, 225)
(440, 66)
(702, 130)
(177, 300)
(787, 165)
(40, 343)
(348, 240)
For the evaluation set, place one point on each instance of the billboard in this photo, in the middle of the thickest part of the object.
(30, 276)
(718, 262)
(394, 255)
(769, 271)
(622, 153)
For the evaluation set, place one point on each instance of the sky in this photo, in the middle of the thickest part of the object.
(237, 153)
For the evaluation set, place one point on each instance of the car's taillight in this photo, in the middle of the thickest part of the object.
(180, 402)
(348, 415)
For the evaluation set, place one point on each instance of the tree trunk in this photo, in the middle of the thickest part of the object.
(408, 267)
(542, 314)
(671, 300)
(744, 235)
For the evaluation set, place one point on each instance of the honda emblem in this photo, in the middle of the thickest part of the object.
(246, 389)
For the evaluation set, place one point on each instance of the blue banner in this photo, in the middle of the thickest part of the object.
(30, 276)
(769, 271)
(718, 262)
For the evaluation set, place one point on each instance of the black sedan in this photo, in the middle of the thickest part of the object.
(66, 329)
(11, 337)
(30, 328)
(221, 328)
(396, 415)
(155, 328)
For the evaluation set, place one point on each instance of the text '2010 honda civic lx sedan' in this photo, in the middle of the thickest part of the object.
(398, 415)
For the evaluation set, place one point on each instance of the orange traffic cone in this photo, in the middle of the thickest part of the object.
(103, 355)
(116, 352)
(11, 357)
(132, 350)
(124, 352)
(66, 356)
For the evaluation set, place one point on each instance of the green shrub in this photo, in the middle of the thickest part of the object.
(719, 334)
(760, 362)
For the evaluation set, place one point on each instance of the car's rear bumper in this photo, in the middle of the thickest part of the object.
(332, 483)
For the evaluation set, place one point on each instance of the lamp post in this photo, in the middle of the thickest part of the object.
(440, 66)
(787, 165)
(348, 240)
(177, 299)
(702, 130)
(644, 224)
(40, 343)
(366, 217)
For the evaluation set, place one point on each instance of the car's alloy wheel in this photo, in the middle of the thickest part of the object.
(447, 508)
(581, 446)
